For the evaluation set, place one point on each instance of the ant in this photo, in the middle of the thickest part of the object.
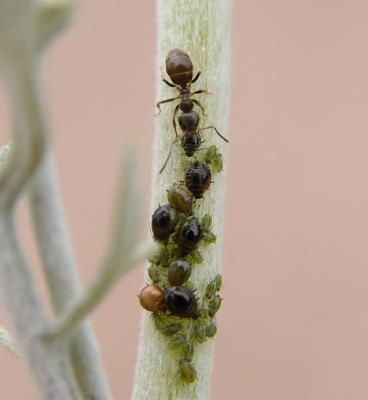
(179, 67)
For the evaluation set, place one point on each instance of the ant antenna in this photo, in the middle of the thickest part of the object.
(169, 155)
(213, 127)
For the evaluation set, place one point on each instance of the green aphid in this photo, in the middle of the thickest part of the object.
(218, 282)
(188, 351)
(206, 222)
(187, 372)
(214, 286)
(214, 305)
(185, 163)
(160, 321)
(218, 164)
(199, 334)
(189, 285)
(214, 158)
(165, 257)
(211, 330)
(155, 259)
(211, 153)
(194, 258)
(178, 341)
(154, 274)
(211, 289)
(209, 238)
(171, 329)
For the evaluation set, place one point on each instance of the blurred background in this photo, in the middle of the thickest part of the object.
(294, 324)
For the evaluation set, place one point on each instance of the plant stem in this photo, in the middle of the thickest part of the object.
(8, 342)
(202, 29)
(62, 278)
(49, 366)
(124, 251)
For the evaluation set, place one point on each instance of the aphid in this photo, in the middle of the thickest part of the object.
(189, 236)
(181, 302)
(164, 221)
(179, 272)
(180, 198)
(187, 373)
(198, 178)
(152, 298)
(179, 67)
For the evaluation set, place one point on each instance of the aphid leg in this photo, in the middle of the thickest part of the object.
(213, 127)
(174, 119)
(200, 106)
(196, 77)
(164, 101)
(169, 155)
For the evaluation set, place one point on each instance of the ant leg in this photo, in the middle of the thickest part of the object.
(213, 127)
(196, 77)
(200, 106)
(201, 91)
(168, 83)
(174, 119)
(169, 155)
(164, 79)
(164, 101)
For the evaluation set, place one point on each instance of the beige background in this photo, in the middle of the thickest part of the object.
(294, 322)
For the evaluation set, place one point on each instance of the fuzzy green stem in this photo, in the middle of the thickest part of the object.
(62, 277)
(202, 29)
(19, 64)
(123, 253)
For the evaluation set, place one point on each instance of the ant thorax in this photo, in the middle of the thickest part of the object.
(186, 103)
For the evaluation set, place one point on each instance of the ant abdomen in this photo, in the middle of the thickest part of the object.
(179, 67)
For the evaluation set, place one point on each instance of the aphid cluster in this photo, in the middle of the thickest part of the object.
(178, 311)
